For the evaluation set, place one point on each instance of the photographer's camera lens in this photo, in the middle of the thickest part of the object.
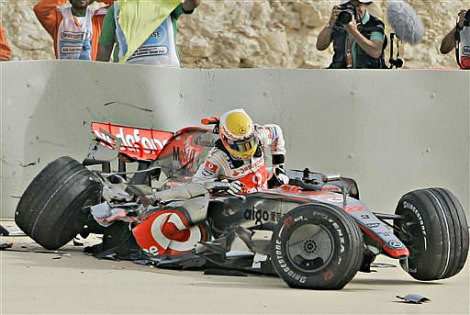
(344, 17)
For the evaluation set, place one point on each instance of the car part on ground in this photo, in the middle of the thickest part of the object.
(4, 231)
(413, 298)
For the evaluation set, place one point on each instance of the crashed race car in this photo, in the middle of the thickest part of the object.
(313, 233)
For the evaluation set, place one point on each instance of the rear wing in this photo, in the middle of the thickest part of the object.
(133, 143)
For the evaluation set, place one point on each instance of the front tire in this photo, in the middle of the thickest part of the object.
(317, 246)
(435, 231)
(49, 210)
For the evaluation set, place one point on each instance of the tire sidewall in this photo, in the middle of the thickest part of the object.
(433, 250)
(327, 275)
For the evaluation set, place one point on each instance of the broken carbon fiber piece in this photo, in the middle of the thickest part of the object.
(414, 298)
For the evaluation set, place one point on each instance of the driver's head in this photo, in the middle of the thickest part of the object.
(237, 133)
(80, 4)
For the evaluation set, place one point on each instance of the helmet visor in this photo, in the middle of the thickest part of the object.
(242, 146)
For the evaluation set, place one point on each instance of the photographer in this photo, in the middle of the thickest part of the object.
(459, 38)
(357, 36)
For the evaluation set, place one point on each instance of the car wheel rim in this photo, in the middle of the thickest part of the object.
(411, 235)
(310, 247)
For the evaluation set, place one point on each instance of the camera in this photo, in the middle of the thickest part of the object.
(467, 18)
(348, 11)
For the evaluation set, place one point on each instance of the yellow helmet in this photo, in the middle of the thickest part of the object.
(237, 133)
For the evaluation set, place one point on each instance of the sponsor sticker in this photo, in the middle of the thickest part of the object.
(261, 216)
(136, 142)
(211, 167)
(395, 244)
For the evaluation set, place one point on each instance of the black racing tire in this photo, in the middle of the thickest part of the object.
(50, 209)
(435, 231)
(317, 246)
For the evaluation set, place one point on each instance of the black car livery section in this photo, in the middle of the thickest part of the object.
(366, 220)
(314, 233)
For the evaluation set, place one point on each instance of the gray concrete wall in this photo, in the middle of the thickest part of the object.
(393, 131)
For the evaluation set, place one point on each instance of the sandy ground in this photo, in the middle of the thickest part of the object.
(54, 283)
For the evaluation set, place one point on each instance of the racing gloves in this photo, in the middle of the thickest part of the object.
(235, 188)
(279, 172)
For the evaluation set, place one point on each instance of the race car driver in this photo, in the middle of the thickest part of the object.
(239, 154)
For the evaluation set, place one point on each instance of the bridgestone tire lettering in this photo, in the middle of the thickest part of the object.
(346, 258)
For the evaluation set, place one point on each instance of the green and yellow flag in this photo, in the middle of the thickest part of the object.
(140, 18)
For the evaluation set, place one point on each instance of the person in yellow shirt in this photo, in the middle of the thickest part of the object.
(158, 49)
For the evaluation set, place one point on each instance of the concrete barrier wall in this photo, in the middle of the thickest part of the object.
(393, 131)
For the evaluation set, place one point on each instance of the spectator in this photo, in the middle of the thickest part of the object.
(75, 30)
(157, 49)
(5, 51)
(358, 44)
(459, 38)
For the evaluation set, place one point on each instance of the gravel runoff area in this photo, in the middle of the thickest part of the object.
(68, 281)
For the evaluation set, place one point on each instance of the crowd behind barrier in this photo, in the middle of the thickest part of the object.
(120, 30)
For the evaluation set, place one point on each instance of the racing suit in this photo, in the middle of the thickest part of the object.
(251, 173)
(219, 165)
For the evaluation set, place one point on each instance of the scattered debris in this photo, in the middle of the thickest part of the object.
(382, 265)
(225, 272)
(16, 232)
(4, 231)
(142, 262)
(62, 255)
(414, 298)
(27, 165)
(107, 254)
(4, 246)
(76, 242)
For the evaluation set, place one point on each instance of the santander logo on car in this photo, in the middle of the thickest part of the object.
(136, 142)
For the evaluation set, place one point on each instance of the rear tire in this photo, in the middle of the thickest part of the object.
(50, 209)
(317, 246)
(435, 231)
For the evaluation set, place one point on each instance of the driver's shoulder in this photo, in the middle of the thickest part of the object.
(217, 154)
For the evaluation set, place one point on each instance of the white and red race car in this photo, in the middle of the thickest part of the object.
(314, 233)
